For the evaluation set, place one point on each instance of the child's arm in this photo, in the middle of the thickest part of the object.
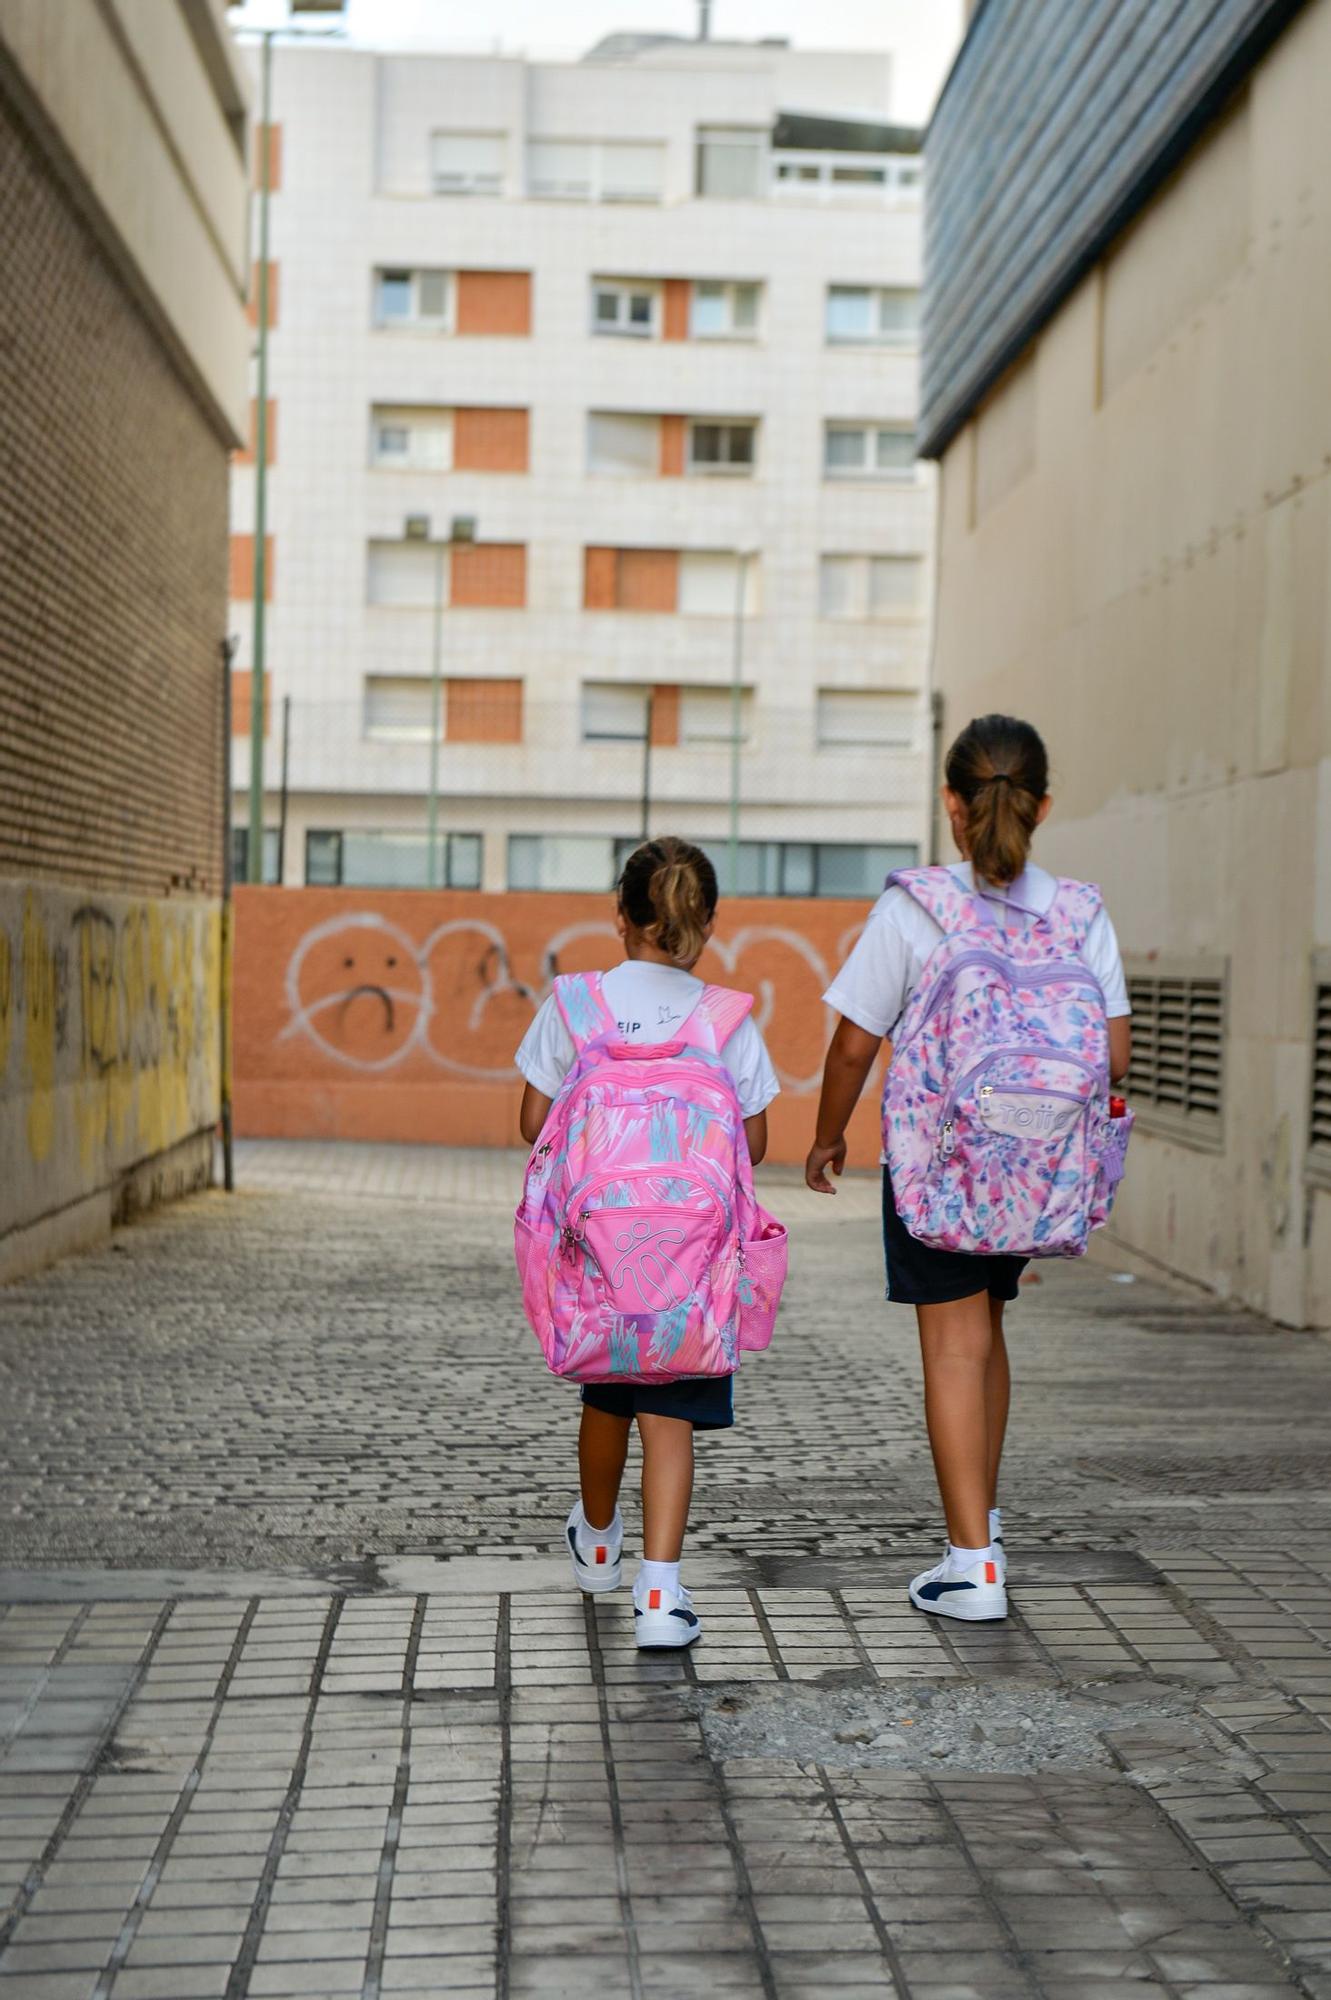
(1120, 1046)
(535, 1110)
(755, 1131)
(849, 1060)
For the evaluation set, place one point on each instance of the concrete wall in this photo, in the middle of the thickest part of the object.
(109, 1060)
(123, 348)
(395, 1015)
(1134, 541)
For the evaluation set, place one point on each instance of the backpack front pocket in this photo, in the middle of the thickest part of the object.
(650, 1260)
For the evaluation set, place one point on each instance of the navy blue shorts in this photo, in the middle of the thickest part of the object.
(919, 1276)
(707, 1403)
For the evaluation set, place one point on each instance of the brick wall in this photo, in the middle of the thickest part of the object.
(113, 518)
(489, 440)
(497, 302)
(491, 575)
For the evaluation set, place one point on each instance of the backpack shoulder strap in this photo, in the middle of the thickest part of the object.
(581, 1000)
(715, 1018)
(939, 894)
(1075, 907)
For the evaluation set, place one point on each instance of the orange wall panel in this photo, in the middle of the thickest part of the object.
(483, 712)
(489, 440)
(488, 575)
(242, 694)
(247, 456)
(496, 302)
(242, 568)
(665, 718)
(273, 135)
(648, 580)
(356, 1018)
(675, 309)
(599, 571)
(274, 288)
(672, 446)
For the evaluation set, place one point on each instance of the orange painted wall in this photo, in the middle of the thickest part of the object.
(394, 1014)
(496, 302)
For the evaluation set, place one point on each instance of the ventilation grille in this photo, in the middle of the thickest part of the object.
(1319, 1121)
(1178, 1037)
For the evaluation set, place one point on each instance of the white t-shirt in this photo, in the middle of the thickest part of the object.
(650, 1002)
(884, 969)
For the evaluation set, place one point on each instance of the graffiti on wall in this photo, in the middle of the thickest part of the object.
(362, 991)
(109, 1036)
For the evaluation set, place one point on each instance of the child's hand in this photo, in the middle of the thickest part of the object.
(819, 1160)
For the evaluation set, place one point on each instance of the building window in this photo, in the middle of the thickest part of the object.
(808, 868)
(397, 708)
(595, 170)
(240, 854)
(567, 860)
(619, 306)
(717, 447)
(405, 575)
(356, 859)
(858, 587)
(863, 719)
(1319, 1109)
(862, 177)
(707, 716)
(873, 315)
(731, 163)
(1178, 1039)
(629, 446)
(709, 584)
(411, 440)
(868, 451)
(467, 162)
(614, 714)
(414, 300)
(723, 311)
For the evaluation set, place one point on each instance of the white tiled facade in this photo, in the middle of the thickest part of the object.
(356, 198)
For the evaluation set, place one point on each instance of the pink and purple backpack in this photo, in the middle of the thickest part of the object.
(643, 1252)
(996, 1117)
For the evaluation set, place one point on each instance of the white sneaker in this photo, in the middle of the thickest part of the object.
(978, 1593)
(665, 1618)
(600, 1566)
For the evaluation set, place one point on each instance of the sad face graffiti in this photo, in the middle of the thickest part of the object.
(357, 989)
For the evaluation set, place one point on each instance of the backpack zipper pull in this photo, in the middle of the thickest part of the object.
(947, 1140)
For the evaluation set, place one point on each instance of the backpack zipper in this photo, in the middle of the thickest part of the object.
(947, 1136)
(1032, 975)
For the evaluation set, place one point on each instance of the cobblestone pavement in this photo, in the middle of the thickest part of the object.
(296, 1698)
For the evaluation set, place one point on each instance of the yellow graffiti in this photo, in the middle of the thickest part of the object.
(40, 993)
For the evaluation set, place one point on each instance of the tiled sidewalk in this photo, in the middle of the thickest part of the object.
(274, 1751)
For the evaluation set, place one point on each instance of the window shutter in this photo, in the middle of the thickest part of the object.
(613, 714)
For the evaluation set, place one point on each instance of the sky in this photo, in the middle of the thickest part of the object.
(923, 33)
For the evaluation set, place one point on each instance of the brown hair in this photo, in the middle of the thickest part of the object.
(668, 892)
(999, 768)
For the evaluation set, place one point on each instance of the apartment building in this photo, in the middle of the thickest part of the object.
(591, 475)
(1134, 437)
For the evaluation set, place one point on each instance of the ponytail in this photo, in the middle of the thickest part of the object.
(999, 769)
(668, 892)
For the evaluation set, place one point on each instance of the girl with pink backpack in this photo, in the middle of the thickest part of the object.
(646, 1262)
(1001, 993)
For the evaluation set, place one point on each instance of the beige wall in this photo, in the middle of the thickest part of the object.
(1134, 544)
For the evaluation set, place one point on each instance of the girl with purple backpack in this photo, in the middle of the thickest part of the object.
(658, 1169)
(1001, 993)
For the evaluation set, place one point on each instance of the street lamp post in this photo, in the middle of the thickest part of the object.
(462, 528)
(737, 710)
(258, 670)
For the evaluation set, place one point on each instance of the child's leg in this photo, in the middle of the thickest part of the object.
(956, 1341)
(603, 1446)
(667, 1485)
(997, 1395)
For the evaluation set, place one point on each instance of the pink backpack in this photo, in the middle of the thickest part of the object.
(643, 1252)
(996, 1121)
